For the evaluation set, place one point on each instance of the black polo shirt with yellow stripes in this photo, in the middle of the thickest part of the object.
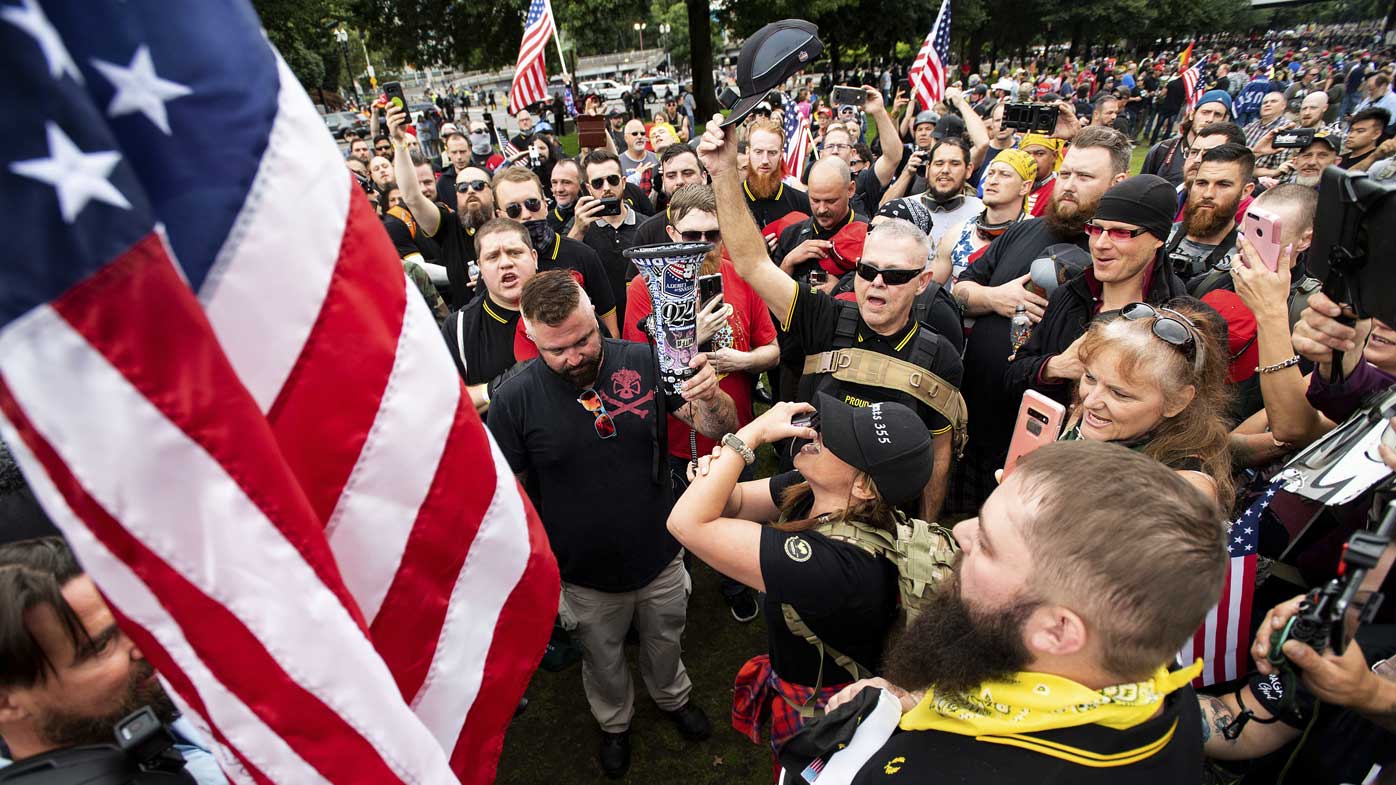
(1164, 750)
(481, 339)
(809, 229)
(775, 207)
(811, 327)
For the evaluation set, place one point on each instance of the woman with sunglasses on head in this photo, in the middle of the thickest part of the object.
(1128, 265)
(798, 537)
(1154, 380)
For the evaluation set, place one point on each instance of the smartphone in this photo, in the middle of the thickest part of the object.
(393, 92)
(610, 206)
(1039, 422)
(844, 95)
(1262, 228)
(818, 276)
(806, 420)
(709, 286)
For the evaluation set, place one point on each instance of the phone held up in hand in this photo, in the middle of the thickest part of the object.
(1262, 228)
(847, 96)
(1039, 422)
(709, 286)
(393, 92)
(610, 205)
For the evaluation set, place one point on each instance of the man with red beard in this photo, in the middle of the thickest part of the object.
(735, 326)
(769, 198)
(1207, 234)
(992, 288)
(68, 674)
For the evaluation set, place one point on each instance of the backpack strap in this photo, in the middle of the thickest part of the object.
(1299, 297)
(863, 366)
(846, 328)
(809, 710)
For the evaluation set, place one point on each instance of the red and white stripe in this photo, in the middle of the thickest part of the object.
(1190, 79)
(530, 83)
(284, 492)
(1224, 637)
(797, 152)
(927, 74)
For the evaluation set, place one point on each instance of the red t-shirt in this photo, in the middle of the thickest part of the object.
(751, 326)
(1041, 198)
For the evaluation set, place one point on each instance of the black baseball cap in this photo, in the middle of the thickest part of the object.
(949, 125)
(888, 441)
(771, 55)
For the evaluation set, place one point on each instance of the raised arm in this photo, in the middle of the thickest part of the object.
(886, 164)
(428, 217)
(745, 245)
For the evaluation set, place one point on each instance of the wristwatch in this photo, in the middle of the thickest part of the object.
(735, 442)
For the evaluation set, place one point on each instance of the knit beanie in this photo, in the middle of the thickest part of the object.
(1145, 200)
(1218, 96)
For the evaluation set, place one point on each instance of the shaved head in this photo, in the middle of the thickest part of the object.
(832, 171)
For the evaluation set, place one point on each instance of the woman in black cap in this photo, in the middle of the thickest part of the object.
(829, 602)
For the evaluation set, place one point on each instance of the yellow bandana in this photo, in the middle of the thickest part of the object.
(1040, 701)
(1057, 146)
(1017, 160)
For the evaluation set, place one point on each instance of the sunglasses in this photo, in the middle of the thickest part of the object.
(1170, 327)
(530, 204)
(383, 147)
(612, 180)
(472, 185)
(605, 426)
(1118, 235)
(711, 235)
(890, 277)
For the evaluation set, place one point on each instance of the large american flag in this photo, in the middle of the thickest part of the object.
(221, 388)
(530, 80)
(927, 72)
(1191, 79)
(797, 138)
(1224, 639)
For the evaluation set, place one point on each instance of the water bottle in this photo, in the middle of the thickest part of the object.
(1020, 330)
(473, 271)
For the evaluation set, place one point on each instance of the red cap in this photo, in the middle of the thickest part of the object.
(774, 228)
(1241, 348)
(848, 248)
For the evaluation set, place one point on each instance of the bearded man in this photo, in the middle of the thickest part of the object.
(1207, 234)
(992, 288)
(769, 198)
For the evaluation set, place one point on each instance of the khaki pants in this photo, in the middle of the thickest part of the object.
(659, 611)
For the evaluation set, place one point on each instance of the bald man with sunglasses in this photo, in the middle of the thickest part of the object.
(841, 339)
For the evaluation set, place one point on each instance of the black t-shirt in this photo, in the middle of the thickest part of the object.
(869, 190)
(487, 331)
(935, 307)
(604, 514)
(811, 326)
(1008, 257)
(610, 244)
(456, 246)
(844, 595)
(1069, 756)
(785, 200)
(568, 254)
(652, 230)
(406, 244)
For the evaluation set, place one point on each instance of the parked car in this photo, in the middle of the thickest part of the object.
(608, 89)
(341, 122)
(658, 87)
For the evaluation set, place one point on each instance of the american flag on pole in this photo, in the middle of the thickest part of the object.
(220, 386)
(505, 146)
(797, 138)
(1268, 61)
(1191, 79)
(530, 80)
(1223, 640)
(927, 72)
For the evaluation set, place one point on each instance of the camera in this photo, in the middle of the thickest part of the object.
(534, 159)
(1031, 117)
(143, 754)
(818, 276)
(610, 205)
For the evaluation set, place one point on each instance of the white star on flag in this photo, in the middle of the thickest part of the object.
(77, 177)
(29, 17)
(140, 89)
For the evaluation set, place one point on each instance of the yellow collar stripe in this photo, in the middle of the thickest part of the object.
(1082, 757)
(914, 327)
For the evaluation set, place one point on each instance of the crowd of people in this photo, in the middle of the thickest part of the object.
(877, 324)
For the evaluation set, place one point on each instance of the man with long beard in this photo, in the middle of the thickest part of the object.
(67, 673)
(736, 329)
(767, 196)
(583, 419)
(1207, 234)
(992, 288)
(1048, 656)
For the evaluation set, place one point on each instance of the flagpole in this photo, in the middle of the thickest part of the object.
(557, 39)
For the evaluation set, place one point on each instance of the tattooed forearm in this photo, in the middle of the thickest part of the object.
(1216, 716)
